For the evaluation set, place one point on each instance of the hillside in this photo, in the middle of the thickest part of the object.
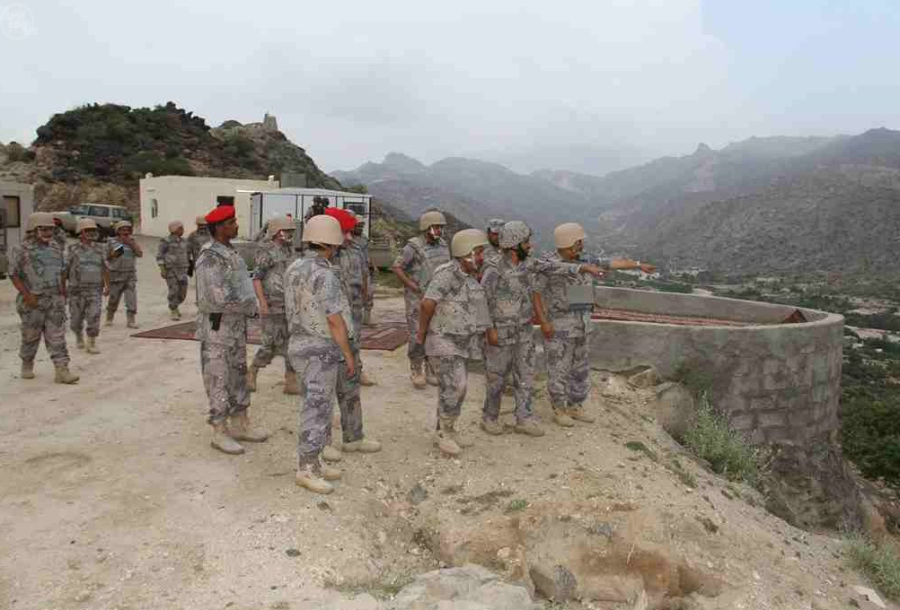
(98, 152)
(472, 190)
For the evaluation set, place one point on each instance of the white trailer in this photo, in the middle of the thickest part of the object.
(295, 202)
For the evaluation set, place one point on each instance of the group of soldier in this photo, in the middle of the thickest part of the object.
(477, 299)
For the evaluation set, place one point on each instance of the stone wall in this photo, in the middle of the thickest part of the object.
(775, 382)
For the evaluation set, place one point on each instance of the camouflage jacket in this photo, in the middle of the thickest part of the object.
(420, 259)
(461, 315)
(39, 267)
(556, 301)
(122, 267)
(492, 254)
(223, 287)
(85, 265)
(172, 254)
(59, 238)
(361, 245)
(197, 240)
(269, 265)
(351, 265)
(312, 292)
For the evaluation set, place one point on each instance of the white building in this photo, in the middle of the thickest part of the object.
(17, 205)
(168, 198)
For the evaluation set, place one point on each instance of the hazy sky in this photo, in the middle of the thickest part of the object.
(352, 80)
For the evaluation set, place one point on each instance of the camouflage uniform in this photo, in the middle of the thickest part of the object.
(122, 278)
(59, 238)
(509, 288)
(419, 260)
(173, 254)
(270, 263)
(312, 293)
(197, 240)
(492, 254)
(84, 274)
(455, 333)
(224, 287)
(40, 268)
(362, 243)
(568, 367)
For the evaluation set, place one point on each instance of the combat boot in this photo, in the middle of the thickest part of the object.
(173, 315)
(92, 345)
(365, 380)
(131, 322)
(223, 442)
(64, 376)
(492, 427)
(331, 454)
(528, 427)
(416, 375)
(430, 377)
(561, 417)
(28, 370)
(448, 425)
(109, 317)
(308, 478)
(252, 372)
(578, 413)
(79, 340)
(239, 429)
(446, 444)
(363, 445)
(328, 472)
(290, 383)
(177, 313)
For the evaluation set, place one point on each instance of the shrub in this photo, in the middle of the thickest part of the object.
(879, 562)
(727, 452)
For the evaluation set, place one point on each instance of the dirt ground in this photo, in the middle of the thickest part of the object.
(111, 497)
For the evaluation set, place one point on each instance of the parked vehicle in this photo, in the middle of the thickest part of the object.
(104, 215)
(4, 260)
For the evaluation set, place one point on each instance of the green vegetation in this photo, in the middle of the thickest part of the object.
(728, 453)
(642, 448)
(879, 562)
(517, 505)
(686, 477)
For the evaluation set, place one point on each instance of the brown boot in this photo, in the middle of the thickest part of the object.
(363, 445)
(79, 340)
(578, 413)
(416, 375)
(529, 427)
(109, 317)
(331, 454)
(63, 375)
(561, 417)
(131, 321)
(365, 380)
(492, 427)
(252, 372)
(28, 370)
(223, 442)
(310, 477)
(290, 383)
(446, 444)
(239, 429)
(92, 345)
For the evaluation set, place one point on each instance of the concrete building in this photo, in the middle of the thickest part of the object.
(17, 205)
(168, 198)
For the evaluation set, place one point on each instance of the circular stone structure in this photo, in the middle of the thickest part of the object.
(773, 372)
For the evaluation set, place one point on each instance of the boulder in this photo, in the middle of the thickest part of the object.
(675, 408)
(646, 378)
(470, 587)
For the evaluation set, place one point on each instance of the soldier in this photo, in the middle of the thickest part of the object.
(566, 337)
(513, 302)
(320, 327)
(452, 323)
(414, 267)
(87, 281)
(357, 282)
(36, 270)
(318, 207)
(225, 299)
(121, 254)
(197, 240)
(361, 242)
(173, 258)
(272, 259)
(59, 234)
(492, 251)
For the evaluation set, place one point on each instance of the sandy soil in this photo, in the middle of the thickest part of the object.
(111, 497)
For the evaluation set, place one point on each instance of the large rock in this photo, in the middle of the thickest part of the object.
(470, 587)
(646, 378)
(675, 408)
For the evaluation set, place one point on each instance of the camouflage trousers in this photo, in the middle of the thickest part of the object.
(568, 369)
(117, 288)
(514, 364)
(453, 378)
(47, 320)
(416, 350)
(224, 369)
(85, 306)
(348, 401)
(177, 282)
(317, 377)
(275, 338)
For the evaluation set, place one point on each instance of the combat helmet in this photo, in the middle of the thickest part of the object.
(429, 219)
(465, 241)
(323, 229)
(567, 234)
(514, 233)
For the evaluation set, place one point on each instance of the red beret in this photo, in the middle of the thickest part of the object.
(347, 220)
(223, 212)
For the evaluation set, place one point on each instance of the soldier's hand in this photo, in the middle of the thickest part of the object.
(547, 330)
(351, 366)
(593, 270)
(30, 300)
(492, 337)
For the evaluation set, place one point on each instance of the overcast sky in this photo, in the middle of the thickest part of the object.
(352, 80)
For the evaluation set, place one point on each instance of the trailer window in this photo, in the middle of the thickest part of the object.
(13, 207)
(224, 200)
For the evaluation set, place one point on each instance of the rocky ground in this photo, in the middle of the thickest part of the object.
(112, 498)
